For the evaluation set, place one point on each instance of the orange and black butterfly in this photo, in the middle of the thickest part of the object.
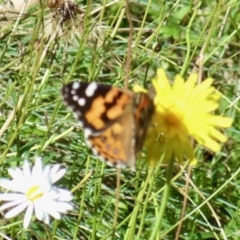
(114, 120)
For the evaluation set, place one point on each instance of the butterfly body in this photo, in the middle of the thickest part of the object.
(115, 120)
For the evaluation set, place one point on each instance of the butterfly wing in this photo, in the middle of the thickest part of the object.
(116, 144)
(143, 112)
(106, 114)
(96, 106)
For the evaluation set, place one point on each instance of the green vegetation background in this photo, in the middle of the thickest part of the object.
(179, 36)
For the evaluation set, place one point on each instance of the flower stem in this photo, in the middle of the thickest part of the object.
(166, 194)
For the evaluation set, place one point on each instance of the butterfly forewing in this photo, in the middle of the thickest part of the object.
(95, 106)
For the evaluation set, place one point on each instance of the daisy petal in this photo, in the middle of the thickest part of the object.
(28, 215)
(16, 210)
(56, 175)
(46, 218)
(13, 197)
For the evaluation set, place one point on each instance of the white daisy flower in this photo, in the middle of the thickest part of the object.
(34, 191)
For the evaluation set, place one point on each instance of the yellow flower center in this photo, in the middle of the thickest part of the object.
(34, 193)
(173, 120)
(172, 123)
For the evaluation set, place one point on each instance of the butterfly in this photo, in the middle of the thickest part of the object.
(114, 120)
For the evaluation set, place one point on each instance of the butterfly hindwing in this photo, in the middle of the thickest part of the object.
(143, 111)
(115, 145)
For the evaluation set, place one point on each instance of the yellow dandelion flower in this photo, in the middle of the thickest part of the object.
(183, 111)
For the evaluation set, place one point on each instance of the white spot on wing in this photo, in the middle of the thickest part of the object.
(78, 113)
(75, 115)
(121, 165)
(76, 85)
(80, 124)
(87, 133)
(91, 89)
(75, 97)
(66, 90)
(73, 91)
(81, 101)
(95, 151)
(65, 95)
